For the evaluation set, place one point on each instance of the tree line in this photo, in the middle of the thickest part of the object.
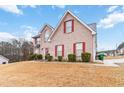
(16, 50)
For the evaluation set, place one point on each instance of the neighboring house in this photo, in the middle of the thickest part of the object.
(120, 49)
(70, 36)
(108, 52)
(117, 52)
(3, 60)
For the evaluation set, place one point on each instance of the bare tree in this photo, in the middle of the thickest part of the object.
(16, 50)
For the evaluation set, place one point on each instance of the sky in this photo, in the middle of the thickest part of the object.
(26, 21)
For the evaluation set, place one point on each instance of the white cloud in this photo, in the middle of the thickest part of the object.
(58, 6)
(11, 8)
(111, 20)
(112, 8)
(114, 17)
(32, 6)
(29, 32)
(4, 36)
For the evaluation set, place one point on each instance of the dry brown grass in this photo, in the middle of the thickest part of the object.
(60, 74)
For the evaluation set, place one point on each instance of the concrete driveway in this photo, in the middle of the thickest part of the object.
(112, 62)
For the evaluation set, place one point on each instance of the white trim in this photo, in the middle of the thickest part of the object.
(93, 32)
(45, 26)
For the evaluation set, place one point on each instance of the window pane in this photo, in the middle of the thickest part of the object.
(59, 48)
(78, 52)
(68, 29)
(47, 35)
(69, 23)
(59, 53)
(79, 46)
(68, 26)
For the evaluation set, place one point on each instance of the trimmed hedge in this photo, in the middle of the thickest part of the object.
(39, 56)
(71, 57)
(36, 56)
(33, 57)
(50, 58)
(46, 56)
(60, 58)
(86, 57)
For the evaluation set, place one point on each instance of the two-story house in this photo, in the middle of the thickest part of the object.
(71, 35)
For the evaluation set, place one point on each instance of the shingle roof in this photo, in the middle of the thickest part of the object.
(37, 36)
(121, 45)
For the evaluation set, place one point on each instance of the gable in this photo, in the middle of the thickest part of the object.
(65, 17)
(45, 29)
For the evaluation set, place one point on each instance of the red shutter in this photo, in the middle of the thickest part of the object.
(74, 48)
(84, 47)
(72, 25)
(64, 27)
(63, 50)
(55, 50)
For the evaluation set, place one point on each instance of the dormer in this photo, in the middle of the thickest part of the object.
(46, 32)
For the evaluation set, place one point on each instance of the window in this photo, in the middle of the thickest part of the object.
(69, 26)
(46, 35)
(79, 50)
(37, 41)
(59, 50)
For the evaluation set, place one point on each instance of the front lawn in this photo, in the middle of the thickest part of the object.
(60, 74)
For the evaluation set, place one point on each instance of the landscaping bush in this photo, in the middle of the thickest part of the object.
(39, 56)
(33, 57)
(71, 57)
(46, 56)
(60, 58)
(49, 58)
(86, 57)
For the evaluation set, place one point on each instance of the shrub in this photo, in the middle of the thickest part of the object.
(49, 58)
(60, 58)
(86, 57)
(71, 57)
(46, 56)
(39, 56)
(33, 57)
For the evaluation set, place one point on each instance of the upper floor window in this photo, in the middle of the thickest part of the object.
(68, 26)
(47, 35)
(37, 41)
